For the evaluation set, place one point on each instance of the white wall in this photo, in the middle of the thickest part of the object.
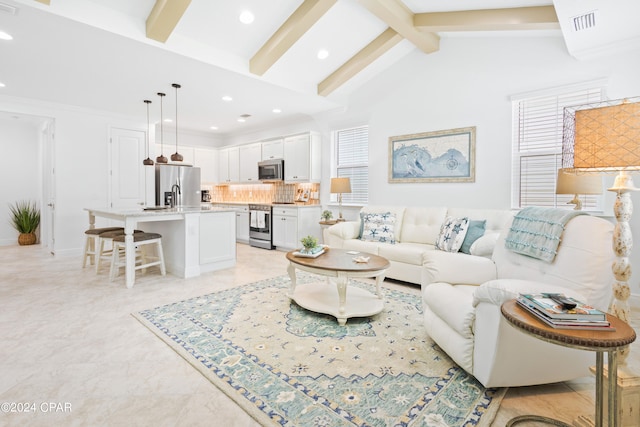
(21, 170)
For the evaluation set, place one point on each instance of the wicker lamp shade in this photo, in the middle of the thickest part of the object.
(602, 137)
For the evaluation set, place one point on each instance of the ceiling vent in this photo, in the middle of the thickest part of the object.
(7, 8)
(585, 21)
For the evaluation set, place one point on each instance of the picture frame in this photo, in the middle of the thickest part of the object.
(439, 156)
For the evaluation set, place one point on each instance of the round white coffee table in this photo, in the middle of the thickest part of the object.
(321, 297)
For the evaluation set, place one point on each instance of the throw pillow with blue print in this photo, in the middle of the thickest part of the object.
(452, 233)
(378, 227)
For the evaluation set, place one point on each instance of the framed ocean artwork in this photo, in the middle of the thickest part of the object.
(440, 156)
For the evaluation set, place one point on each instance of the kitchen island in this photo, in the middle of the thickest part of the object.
(195, 240)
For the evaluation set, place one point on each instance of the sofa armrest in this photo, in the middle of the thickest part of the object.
(499, 291)
(335, 235)
(456, 268)
(345, 230)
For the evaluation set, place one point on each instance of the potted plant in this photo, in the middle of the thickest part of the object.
(309, 243)
(327, 215)
(25, 218)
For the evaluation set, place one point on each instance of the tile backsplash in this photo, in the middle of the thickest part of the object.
(265, 193)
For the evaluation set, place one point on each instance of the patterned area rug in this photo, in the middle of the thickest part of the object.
(285, 365)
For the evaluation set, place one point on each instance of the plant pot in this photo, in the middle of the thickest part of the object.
(27, 239)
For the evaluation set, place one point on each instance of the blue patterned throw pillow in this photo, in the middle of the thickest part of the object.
(378, 227)
(452, 234)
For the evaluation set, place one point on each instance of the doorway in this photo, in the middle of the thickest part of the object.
(30, 174)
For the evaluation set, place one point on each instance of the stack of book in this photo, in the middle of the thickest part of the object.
(561, 312)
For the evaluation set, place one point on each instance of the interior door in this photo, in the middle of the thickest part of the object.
(127, 171)
(49, 196)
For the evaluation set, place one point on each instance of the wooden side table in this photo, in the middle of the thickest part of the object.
(598, 341)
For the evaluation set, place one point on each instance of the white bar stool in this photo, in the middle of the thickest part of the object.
(102, 254)
(91, 243)
(141, 240)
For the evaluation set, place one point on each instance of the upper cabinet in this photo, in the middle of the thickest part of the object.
(250, 155)
(273, 149)
(229, 166)
(302, 157)
(207, 160)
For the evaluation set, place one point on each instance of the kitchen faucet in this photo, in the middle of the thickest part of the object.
(175, 191)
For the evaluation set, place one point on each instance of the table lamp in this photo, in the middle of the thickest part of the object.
(572, 183)
(605, 137)
(340, 185)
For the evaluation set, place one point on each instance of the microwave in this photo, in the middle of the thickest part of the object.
(271, 170)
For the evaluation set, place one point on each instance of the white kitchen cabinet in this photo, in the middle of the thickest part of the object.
(250, 155)
(242, 225)
(273, 149)
(229, 166)
(291, 224)
(207, 160)
(302, 157)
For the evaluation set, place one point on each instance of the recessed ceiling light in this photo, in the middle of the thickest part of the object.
(323, 53)
(246, 17)
(168, 120)
(5, 36)
(2, 84)
(276, 110)
(227, 98)
(214, 127)
(241, 120)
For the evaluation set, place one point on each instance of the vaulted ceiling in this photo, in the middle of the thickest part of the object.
(112, 54)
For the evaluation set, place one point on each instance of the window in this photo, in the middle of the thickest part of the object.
(351, 147)
(537, 145)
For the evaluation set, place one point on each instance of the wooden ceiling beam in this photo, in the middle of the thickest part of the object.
(304, 17)
(518, 18)
(397, 16)
(164, 17)
(359, 61)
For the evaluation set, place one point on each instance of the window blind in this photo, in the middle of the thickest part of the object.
(537, 147)
(351, 161)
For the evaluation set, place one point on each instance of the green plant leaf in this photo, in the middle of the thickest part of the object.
(25, 216)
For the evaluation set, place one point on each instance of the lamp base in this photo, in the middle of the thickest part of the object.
(576, 201)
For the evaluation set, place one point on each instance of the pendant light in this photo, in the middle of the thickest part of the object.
(161, 158)
(147, 161)
(176, 157)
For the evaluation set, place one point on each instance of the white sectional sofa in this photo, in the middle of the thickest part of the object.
(466, 322)
(415, 231)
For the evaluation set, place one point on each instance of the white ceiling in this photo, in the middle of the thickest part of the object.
(94, 53)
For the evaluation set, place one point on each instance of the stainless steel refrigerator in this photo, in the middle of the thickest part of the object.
(179, 182)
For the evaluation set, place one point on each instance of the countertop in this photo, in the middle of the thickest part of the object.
(279, 205)
(159, 212)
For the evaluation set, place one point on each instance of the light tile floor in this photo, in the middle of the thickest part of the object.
(68, 339)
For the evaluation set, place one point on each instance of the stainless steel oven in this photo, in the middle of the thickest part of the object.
(261, 226)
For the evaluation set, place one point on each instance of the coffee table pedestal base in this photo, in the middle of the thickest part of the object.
(323, 298)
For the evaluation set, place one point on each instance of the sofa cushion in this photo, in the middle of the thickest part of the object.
(379, 227)
(474, 232)
(409, 253)
(362, 246)
(421, 225)
(452, 234)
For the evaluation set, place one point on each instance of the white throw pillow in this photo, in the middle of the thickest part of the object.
(484, 245)
(378, 227)
(452, 234)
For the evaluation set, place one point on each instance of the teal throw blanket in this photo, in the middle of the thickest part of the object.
(536, 231)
